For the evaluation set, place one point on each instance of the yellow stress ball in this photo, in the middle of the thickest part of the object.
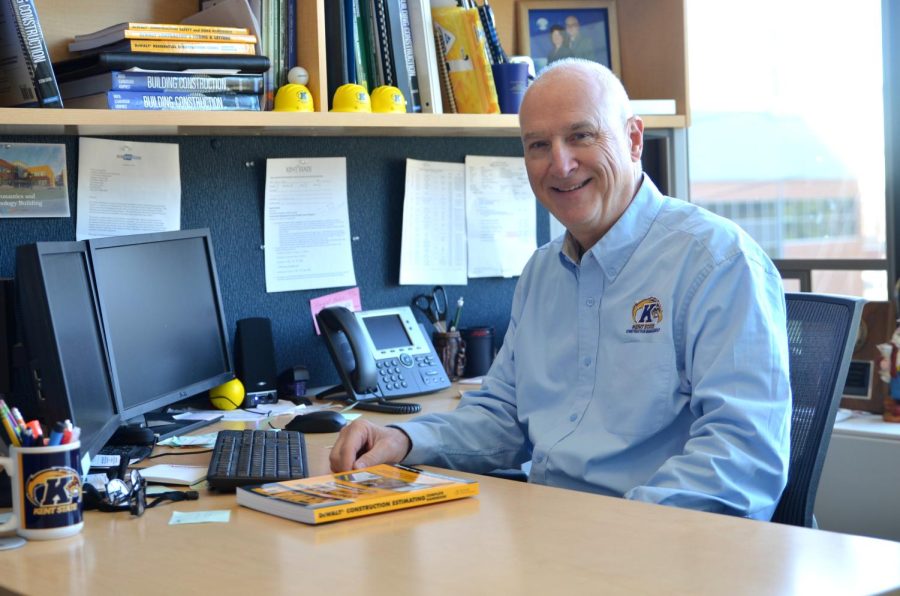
(227, 396)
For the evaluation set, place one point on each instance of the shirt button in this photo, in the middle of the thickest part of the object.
(573, 417)
(590, 302)
(587, 361)
(539, 458)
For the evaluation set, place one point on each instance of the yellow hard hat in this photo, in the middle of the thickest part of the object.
(351, 98)
(388, 99)
(293, 97)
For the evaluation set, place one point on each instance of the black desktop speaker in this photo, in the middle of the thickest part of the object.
(255, 361)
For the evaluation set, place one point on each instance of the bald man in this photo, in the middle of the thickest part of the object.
(646, 355)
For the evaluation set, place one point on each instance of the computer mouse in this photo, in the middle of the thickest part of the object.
(320, 421)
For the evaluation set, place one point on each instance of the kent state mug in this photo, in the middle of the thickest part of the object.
(46, 489)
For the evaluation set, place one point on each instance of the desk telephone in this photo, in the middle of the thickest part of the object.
(381, 355)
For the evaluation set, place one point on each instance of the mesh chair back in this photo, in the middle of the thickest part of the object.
(821, 333)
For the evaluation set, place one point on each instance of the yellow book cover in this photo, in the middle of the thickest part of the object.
(180, 47)
(465, 48)
(333, 497)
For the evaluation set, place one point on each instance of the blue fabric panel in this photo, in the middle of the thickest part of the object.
(223, 182)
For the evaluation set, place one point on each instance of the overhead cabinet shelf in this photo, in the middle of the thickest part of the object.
(651, 34)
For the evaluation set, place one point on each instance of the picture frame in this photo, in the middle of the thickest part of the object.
(554, 29)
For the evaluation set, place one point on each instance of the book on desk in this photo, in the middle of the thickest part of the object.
(344, 495)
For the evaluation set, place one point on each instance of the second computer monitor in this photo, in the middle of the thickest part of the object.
(163, 317)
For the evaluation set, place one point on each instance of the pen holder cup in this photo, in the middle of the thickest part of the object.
(511, 80)
(46, 487)
(479, 350)
(451, 349)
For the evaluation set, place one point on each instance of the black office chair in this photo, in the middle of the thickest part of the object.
(821, 333)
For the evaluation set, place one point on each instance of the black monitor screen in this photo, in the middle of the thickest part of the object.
(387, 332)
(162, 312)
(63, 338)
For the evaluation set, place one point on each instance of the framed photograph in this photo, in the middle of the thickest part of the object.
(553, 29)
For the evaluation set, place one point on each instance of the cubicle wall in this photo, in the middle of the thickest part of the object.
(223, 181)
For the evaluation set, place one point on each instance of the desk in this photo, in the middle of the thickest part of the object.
(513, 538)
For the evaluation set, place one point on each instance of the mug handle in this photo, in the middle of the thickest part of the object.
(6, 463)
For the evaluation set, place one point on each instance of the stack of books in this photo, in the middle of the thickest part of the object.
(160, 66)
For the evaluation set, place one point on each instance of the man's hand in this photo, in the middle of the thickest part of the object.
(362, 444)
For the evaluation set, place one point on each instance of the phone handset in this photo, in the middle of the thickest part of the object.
(351, 355)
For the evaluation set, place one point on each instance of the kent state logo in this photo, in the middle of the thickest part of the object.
(646, 316)
(54, 490)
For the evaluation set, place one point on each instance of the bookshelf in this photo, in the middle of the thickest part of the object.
(651, 34)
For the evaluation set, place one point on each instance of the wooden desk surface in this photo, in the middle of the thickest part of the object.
(513, 538)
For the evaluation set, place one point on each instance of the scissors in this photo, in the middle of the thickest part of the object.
(434, 306)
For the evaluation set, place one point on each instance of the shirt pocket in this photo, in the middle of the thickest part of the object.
(637, 394)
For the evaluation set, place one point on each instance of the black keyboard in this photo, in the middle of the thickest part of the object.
(243, 457)
(128, 452)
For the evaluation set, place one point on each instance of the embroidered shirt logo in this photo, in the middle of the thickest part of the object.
(646, 316)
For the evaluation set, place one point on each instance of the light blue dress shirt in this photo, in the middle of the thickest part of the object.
(655, 369)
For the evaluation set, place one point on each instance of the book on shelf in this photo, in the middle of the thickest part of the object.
(80, 45)
(336, 47)
(26, 74)
(357, 44)
(425, 54)
(152, 100)
(178, 47)
(118, 28)
(84, 66)
(162, 80)
(447, 99)
(653, 107)
(345, 495)
(401, 48)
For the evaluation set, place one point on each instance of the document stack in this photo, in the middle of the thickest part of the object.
(161, 66)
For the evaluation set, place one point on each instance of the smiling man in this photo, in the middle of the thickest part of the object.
(646, 355)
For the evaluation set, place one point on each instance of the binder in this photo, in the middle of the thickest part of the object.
(467, 60)
(426, 57)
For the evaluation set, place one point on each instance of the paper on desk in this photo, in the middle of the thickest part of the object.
(127, 187)
(204, 440)
(433, 248)
(307, 225)
(174, 474)
(500, 216)
(222, 516)
(241, 415)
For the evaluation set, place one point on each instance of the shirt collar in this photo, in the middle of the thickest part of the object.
(614, 249)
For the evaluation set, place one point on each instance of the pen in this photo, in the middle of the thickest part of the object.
(56, 434)
(459, 305)
(11, 432)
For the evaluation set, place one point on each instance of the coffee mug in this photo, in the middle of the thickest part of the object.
(46, 489)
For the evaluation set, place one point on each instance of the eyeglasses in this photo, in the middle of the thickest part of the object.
(130, 494)
(119, 494)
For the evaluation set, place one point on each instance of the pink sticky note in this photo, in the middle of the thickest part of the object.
(348, 298)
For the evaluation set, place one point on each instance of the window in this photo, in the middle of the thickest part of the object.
(787, 129)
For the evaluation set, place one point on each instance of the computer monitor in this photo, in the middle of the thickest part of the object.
(68, 374)
(163, 317)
